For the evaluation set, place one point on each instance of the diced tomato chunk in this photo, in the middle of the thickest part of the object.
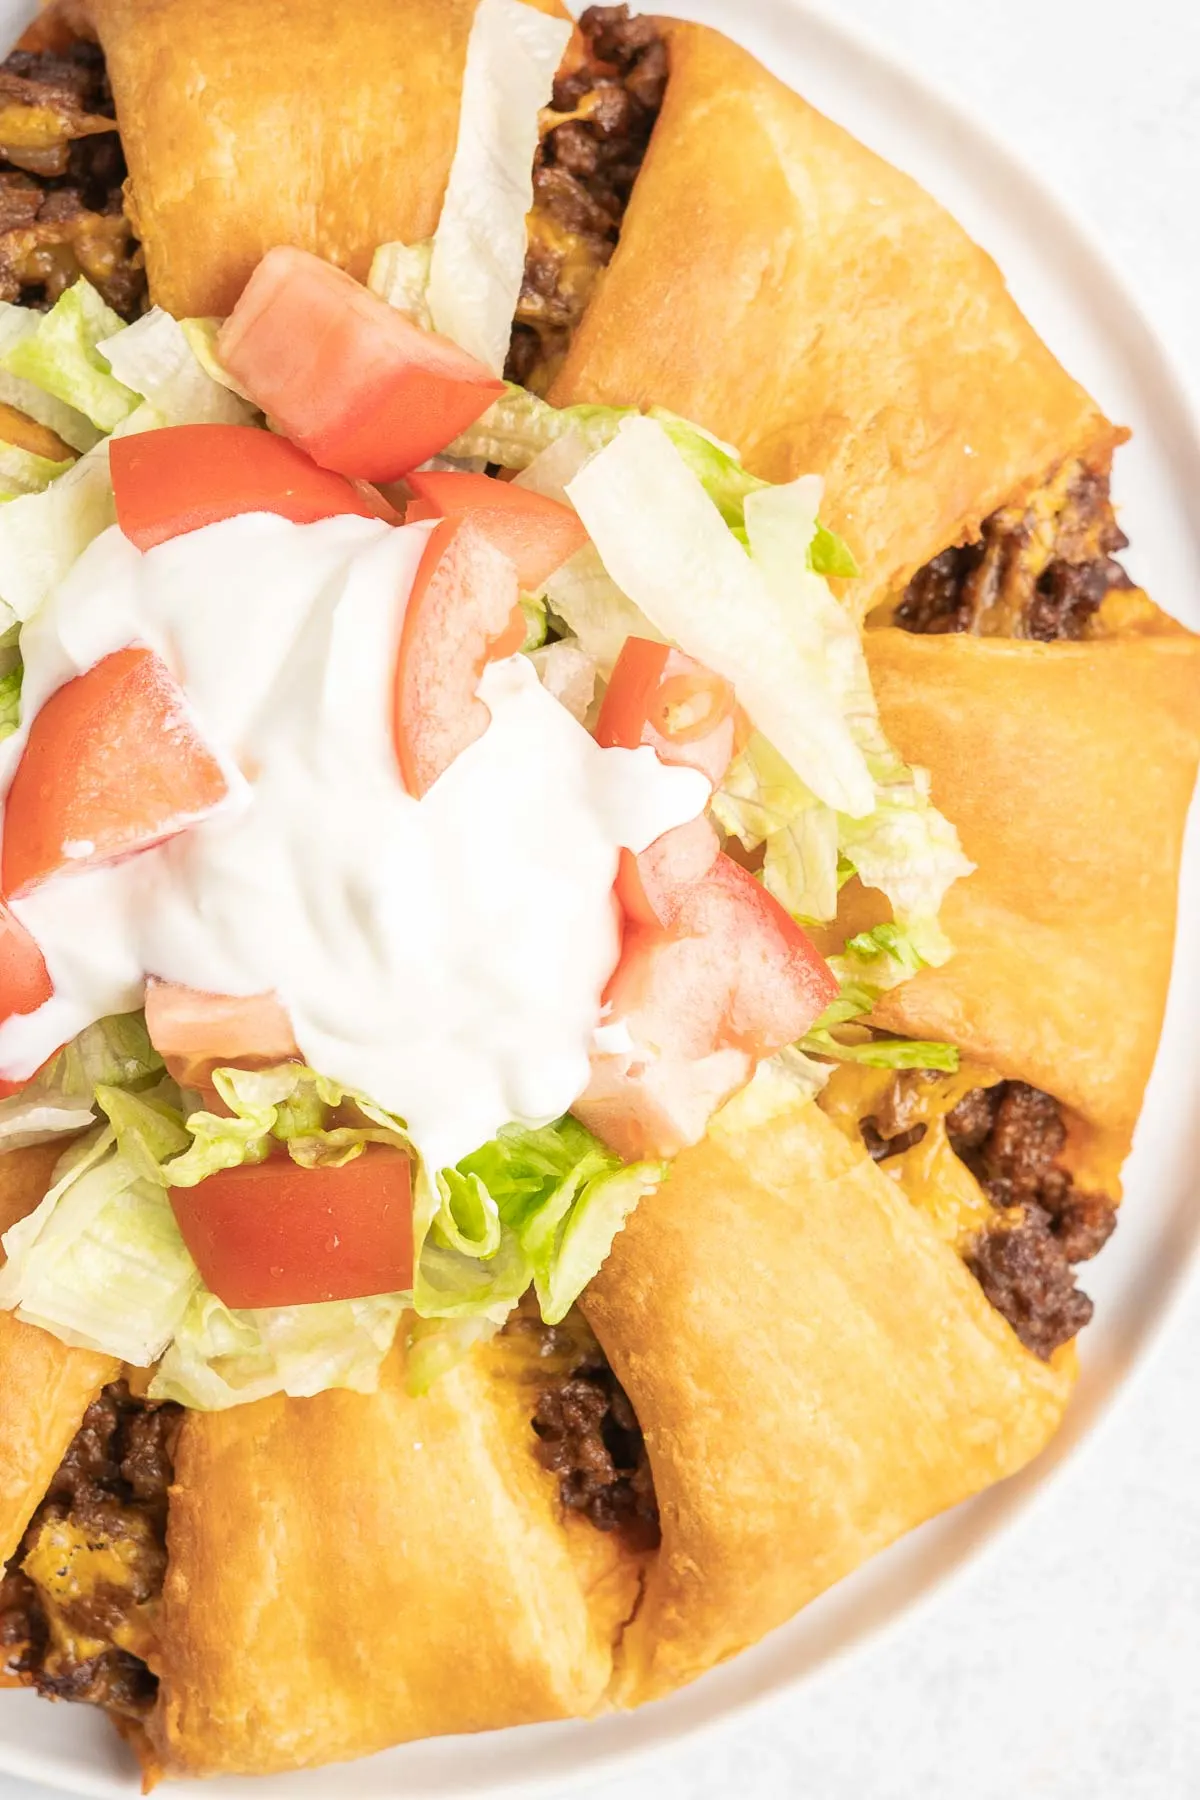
(537, 533)
(276, 1234)
(195, 1032)
(24, 979)
(731, 980)
(187, 476)
(659, 696)
(343, 374)
(463, 612)
(651, 887)
(113, 764)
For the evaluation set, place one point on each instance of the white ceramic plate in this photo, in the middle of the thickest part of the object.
(1081, 308)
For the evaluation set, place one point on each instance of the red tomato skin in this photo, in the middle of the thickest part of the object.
(112, 760)
(24, 979)
(195, 1032)
(463, 612)
(343, 374)
(184, 477)
(537, 533)
(274, 1234)
(650, 887)
(650, 682)
(729, 980)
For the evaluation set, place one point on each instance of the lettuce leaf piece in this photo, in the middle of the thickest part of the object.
(113, 1053)
(41, 535)
(871, 963)
(62, 356)
(220, 1358)
(761, 801)
(100, 1262)
(883, 1053)
(16, 324)
(479, 246)
(714, 464)
(202, 335)
(24, 472)
(518, 426)
(10, 699)
(828, 554)
(567, 671)
(400, 275)
(588, 601)
(155, 357)
(666, 545)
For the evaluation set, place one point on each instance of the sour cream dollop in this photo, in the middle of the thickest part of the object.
(446, 956)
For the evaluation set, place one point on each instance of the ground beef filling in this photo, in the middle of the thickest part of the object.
(61, 175)
(1010, 1136)
(589, 1436)
(77, 1599)
(594, 137)
(1039, 571)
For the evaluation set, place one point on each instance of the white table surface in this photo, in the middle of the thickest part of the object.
(1065, 1665)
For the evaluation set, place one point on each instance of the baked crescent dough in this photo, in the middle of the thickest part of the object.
(1068, 769)
(45, 1386)
(815, 1372)
(350, 1571)
(778, 283)
(289, 122)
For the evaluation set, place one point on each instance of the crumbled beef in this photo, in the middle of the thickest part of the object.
(583, 175)
(1021, 1268)
(881, 1145)
(1010, 1136)
(61, 199)
(112, 1482)
(590, 1438)
(1026, 576)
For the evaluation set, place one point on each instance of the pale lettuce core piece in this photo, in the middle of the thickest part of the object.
(667, 546)
(16, 324)
(479, 245)
(156, 357)
(400, 275)
(113, 1053)
(62, 356)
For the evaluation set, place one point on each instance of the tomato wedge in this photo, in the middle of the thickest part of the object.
(195, 1032)
(187, 476)
(651, 887)
(274, 1234)
(731, 980)
(113, 764)
(538, 534)
(24, 979)
(343, 374)
(463, 612)
(659, 696)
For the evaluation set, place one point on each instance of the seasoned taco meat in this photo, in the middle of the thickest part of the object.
(1041, 570)
(61, 175)
(593, 139)
(78, 1599)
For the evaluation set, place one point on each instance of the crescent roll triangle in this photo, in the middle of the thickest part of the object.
(781, 285)
(236, 142)
(1068, 770)
(815, 1371)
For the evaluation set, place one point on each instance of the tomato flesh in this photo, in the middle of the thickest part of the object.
(651, 887)
(184, 477)
(728, 979)
(463, 612)
(24, 979)
(113, 765)
(343, 374)
(195, 1032)
(537, 533)
(659, 696)
(275, 1234)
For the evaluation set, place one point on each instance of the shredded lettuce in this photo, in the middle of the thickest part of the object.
(62, 356)
(518, 426)
(156, 357)
(10, 699)
(666, 545)
(567, 671)
(479, 247)
(113, 1053)
(400, 275)
(588, 601)
(871, 963)
(202, 335)
(16, 324)
(24, 472)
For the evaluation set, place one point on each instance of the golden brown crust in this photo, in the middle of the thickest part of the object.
(815, 1373)
(349, 1572)
(781, 285)
(1068, 769)
(45, 1386)
(285, 122)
